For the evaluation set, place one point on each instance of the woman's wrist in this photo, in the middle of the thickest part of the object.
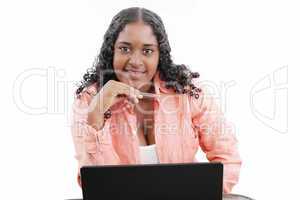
(99, 111)
(98, 119)
(95, 120)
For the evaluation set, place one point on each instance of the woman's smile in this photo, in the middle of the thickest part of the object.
(136, 55)
(134, 74)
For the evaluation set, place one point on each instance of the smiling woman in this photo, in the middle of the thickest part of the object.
(154, 37)
(136, 54)
(135, 106)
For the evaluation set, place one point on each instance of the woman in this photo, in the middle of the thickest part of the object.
(136, 106)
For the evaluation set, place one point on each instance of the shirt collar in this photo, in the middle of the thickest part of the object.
(159, 85)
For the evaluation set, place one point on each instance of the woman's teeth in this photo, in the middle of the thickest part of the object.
(134, 74)
(133, 71)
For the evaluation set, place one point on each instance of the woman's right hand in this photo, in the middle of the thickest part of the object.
(111, 93)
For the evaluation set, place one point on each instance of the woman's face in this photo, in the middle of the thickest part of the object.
(136, 56)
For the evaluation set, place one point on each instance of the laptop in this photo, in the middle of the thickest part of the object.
(188, 181)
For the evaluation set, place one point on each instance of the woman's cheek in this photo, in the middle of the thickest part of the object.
(119, 64)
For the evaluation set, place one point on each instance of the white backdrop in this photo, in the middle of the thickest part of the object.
(248, 51)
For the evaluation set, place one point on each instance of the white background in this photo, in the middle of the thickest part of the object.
(46, 46)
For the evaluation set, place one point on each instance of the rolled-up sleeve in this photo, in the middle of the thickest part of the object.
(92, 147)
(216, 137)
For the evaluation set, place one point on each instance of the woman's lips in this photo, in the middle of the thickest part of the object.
(136, 71)
(135, 74)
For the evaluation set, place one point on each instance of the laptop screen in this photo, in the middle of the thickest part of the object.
(156, 181)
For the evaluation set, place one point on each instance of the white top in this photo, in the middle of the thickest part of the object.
(148, 154)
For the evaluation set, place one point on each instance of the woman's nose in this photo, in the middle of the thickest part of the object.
(136, 59)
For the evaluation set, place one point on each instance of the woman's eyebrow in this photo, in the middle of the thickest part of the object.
(126, 43)
(145, 45)
(149, 45)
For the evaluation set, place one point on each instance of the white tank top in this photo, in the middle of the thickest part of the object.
(148, 154)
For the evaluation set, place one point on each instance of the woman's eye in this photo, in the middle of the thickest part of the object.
(148, 51)
(124, 49)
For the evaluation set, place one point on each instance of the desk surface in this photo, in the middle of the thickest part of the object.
(225, 197)
(235, 197)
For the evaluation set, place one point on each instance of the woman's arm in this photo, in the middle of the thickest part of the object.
(92, 146)
(216, 137)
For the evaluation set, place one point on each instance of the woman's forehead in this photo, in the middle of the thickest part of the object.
(137, 33)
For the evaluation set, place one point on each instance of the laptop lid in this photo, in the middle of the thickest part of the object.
(189, 181)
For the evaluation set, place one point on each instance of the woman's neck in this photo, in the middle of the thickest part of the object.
(149, 88)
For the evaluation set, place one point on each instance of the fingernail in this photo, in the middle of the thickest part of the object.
(140, 96)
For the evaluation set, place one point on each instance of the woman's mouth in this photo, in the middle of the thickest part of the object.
(134, 71)
(135, 74)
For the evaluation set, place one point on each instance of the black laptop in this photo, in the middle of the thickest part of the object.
(190, 181)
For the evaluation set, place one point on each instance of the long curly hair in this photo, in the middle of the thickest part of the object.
(175, 76)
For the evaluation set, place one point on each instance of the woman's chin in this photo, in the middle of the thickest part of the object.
(141, 85)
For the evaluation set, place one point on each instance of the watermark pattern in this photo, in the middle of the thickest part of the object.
(59, 90)
(277, 84)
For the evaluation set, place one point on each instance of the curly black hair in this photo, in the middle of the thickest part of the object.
(175, 76)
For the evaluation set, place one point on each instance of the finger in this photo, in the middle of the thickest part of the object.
(136, 100)
(128, 105)
(133, 100)
(130, 91)
(134, 92)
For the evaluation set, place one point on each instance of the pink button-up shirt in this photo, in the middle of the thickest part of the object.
(181, 124)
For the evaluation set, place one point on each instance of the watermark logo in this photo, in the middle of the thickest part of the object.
(271, 90)
(55, 86)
